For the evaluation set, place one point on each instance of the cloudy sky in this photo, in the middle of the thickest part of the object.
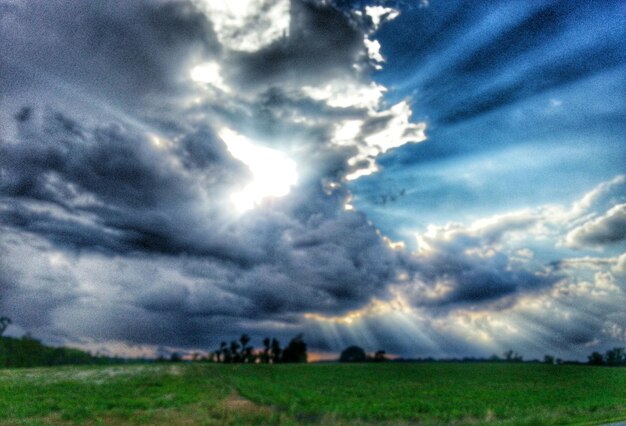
(432, 178)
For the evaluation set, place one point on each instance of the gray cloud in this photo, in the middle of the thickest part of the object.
(471, 265)
(607, 229)
(322, 43)
(119, 49)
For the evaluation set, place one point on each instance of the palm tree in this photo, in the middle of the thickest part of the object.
(246, 351)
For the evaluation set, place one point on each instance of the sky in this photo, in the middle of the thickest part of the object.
(430, 178)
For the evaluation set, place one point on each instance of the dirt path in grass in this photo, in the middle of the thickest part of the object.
(238, 403)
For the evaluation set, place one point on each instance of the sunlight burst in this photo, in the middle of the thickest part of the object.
(209, 73)
(273, 173)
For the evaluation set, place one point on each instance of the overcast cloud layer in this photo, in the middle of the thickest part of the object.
(175, 173)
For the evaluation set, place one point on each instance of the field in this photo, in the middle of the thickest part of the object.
(393, 394)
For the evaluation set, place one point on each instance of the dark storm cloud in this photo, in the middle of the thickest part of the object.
(608, 229)
(111, 187)
(31, 295)
(322, 42)
(118, 194)
(122, 50)
(467, 266)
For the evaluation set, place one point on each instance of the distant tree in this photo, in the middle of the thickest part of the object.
(379, 356)
(224, 350)
(615, 357)
(244, 340)
(175, 357)
(353, 354)
(596, 358)
(548, 359)
(494, 358)
(512, 356)
(295, 350)
(227, 355)
(265, 355)
(4, 323)
(276, 351)
(247, 352)
(234, 351)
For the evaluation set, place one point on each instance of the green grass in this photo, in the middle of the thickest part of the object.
(302, 394)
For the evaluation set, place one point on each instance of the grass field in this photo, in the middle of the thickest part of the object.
(187, 394)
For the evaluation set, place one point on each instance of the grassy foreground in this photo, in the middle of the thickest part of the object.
(187, 394)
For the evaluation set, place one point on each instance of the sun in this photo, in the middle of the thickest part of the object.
(273, 173)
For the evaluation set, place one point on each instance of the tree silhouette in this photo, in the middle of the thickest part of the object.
(239, 351)
(247, 354)
(265, 356)
(596, 358)
(276, 351)
(295, 350)
(379, 356)
(512, 356)
(227, 356)
(4, 323)
(548, 359)
(221, 352)
(353, 354)
(234, 351)
(615, 357)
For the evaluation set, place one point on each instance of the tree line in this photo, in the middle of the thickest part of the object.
(29, 352)
(614, 358)
(240, 352)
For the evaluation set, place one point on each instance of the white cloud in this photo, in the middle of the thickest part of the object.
(380, 14)
(596, 193)
(347, 94)
(373, 51)
(247, 25)
(620, 267)
(209, 73)
(392, 129)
